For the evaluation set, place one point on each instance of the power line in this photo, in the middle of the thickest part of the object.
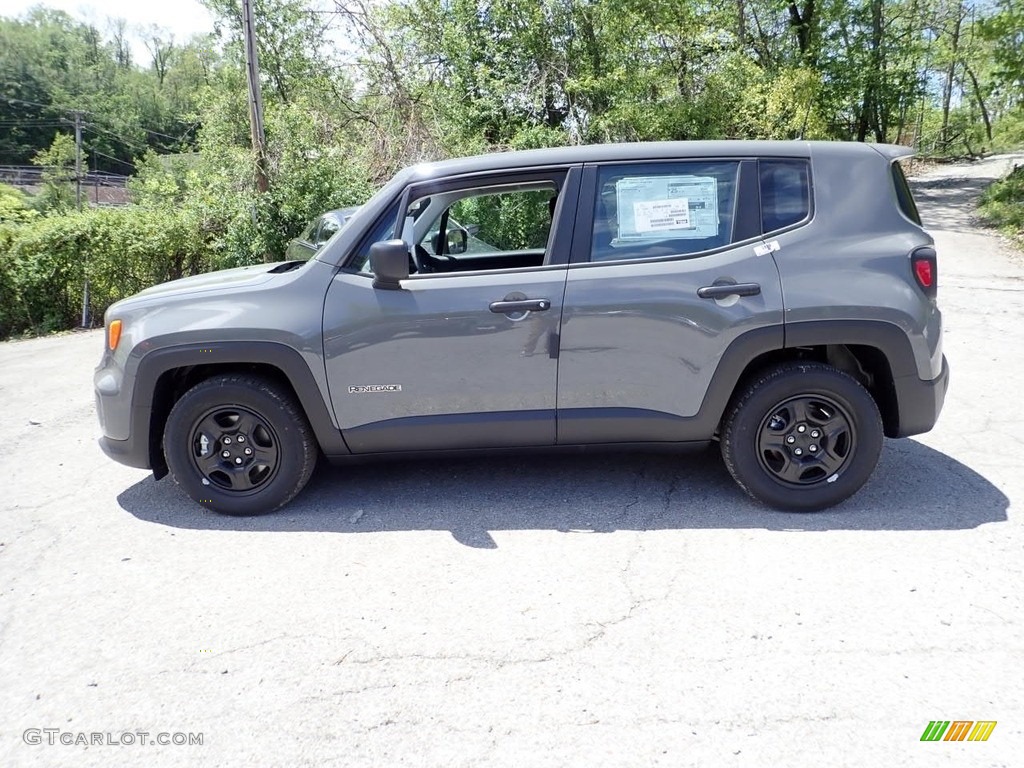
(128, 142)
(30, 123)
(172, 138)
(49, 124)
(127, 163)
(98, 129)
(58, 107)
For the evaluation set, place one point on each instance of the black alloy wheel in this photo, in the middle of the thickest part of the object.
(801, 436)
(235, 449)
(806, 439)
(239, 444)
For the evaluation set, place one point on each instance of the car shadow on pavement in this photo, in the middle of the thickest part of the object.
(914, 488)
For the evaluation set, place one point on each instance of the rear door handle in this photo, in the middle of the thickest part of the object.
(728, 289)
(520, 305)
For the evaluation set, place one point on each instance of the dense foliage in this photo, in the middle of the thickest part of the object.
(355, 89)
(1002, 204)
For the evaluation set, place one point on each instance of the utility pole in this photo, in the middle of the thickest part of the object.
(86, 319)
(252, 70)
(78, 161)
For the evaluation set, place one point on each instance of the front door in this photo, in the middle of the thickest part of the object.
(465, 355)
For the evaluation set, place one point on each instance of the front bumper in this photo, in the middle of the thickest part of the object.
(124, 425)
(126, 452)
(920, 401)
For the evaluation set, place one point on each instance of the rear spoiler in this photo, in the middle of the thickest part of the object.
(893, 151)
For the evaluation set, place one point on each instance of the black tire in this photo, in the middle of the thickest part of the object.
(259, 451)
(802, 436)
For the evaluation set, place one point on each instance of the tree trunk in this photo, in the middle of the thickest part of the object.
(947, 88)
(864, 120)
(869, 119)
(981, 102)
(803, 21)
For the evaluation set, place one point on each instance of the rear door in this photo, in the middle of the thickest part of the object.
(668, 270)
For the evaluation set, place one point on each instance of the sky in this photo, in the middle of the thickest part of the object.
(183, 18)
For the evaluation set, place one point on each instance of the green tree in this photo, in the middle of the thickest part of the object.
(58, 173)
(1005, 29)
(51, 64)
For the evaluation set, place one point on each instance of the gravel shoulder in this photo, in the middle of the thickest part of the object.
(615, 610)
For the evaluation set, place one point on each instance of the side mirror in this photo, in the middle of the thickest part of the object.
(457, 241)
(389, 261)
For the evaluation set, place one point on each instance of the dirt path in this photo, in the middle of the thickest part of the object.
(948, 197)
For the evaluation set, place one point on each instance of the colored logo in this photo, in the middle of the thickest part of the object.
(958, 730)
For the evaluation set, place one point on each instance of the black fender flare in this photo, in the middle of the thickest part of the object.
(887, 337)
(151, 365)
(884, 336)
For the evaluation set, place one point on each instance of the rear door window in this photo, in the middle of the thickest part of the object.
(663, 209)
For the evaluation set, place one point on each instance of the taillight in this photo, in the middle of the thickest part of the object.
(923, 272)
(925, 267)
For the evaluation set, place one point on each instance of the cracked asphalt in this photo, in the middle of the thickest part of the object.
(613, 610)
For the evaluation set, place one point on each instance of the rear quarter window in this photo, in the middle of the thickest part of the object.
(785, 193)
(903, 194)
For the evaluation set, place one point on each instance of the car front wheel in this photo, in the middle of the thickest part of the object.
(239, 444)
(802, 436)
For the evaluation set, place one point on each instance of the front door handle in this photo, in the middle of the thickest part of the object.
(520, 305)
(723, 290)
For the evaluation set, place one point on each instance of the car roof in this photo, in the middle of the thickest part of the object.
(655, 150)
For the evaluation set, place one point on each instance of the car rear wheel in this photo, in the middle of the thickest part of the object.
(239, 444)
(802, 437)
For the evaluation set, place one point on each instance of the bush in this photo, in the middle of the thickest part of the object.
(43, 263)
(14, 206)
(10, 310)
(1009, 132)
(1002, 204)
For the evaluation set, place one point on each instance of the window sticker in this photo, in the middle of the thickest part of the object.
(661, 215)
(662, 207)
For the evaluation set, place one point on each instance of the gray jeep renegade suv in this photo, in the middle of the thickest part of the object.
(779, 297)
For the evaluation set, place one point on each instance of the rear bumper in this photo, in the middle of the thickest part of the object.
(921, 401)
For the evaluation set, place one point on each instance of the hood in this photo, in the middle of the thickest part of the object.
(239, 277)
